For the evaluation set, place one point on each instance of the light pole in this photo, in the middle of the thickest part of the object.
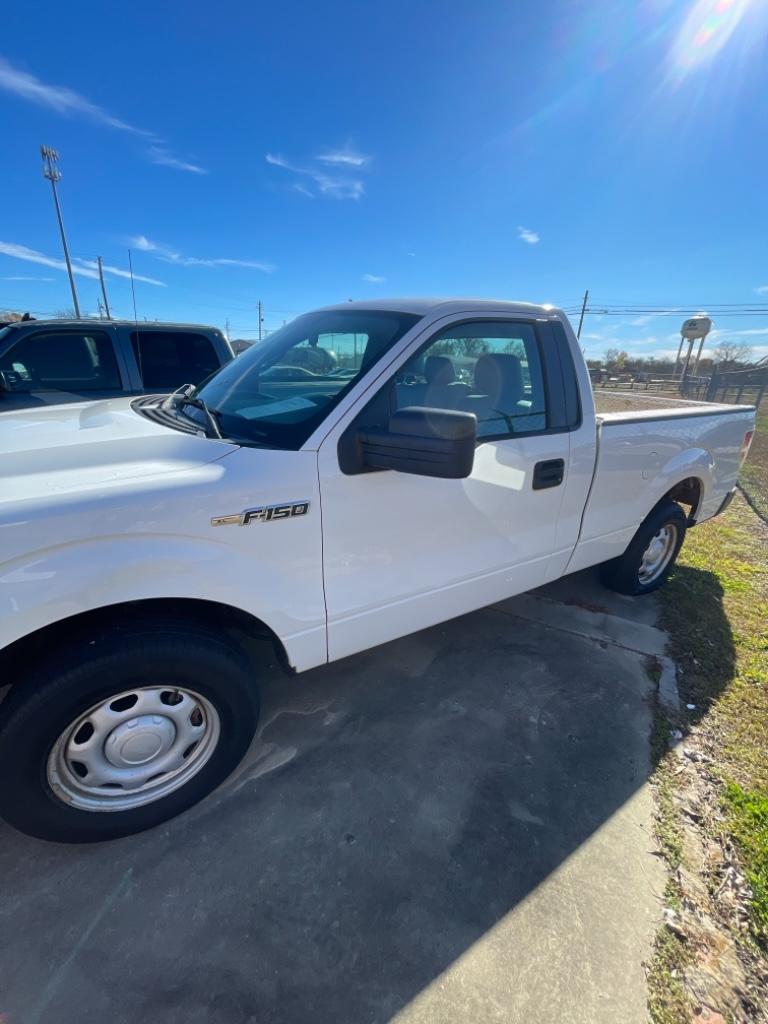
(103, 287)
(53, 174)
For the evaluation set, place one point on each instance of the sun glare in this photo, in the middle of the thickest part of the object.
(709, 26)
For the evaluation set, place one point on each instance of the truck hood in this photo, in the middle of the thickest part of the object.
(60, 449)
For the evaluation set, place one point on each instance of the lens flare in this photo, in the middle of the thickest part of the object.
(707, 28)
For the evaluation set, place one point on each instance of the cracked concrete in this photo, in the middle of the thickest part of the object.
(455, 826)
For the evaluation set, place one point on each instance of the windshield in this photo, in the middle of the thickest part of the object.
(276, 393)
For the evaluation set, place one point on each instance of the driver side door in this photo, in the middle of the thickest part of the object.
(403, 552)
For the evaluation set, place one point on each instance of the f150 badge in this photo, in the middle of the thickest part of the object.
(263, 514)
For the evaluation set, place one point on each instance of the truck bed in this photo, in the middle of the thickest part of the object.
(645, 445)
(638, 401)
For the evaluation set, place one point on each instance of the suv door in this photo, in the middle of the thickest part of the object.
(402, 552)
(55, 365)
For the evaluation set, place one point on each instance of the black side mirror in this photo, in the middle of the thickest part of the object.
(427, 442)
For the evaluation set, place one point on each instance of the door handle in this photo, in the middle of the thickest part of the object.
(549, 473)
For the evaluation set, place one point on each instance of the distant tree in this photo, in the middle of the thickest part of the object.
(731, 354)
(472, 346)
(615, 358)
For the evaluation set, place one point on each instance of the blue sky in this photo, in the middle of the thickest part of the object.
(304, 153)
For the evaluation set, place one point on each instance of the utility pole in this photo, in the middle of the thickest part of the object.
(53, 174)
(583, 311)
(226, 328)
(261, 318)
(103, 288)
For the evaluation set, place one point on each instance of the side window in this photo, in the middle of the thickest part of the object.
(62, 361)
(168, 359)
(491, 368)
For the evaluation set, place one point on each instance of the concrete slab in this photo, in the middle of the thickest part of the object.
(598, 626)
(453, 827)
(584, 590)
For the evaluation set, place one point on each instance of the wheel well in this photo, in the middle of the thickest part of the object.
(246, 630)
(687, 492)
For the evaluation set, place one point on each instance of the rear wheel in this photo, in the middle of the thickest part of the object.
(646, 563)
(123, 732)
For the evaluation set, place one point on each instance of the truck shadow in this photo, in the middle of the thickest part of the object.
(395, 809)
(702, 643)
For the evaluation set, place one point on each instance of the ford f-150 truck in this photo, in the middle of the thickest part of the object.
(368, 471)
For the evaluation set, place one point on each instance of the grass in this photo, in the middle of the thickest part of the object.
(748, 818)
(715, 608)
(668, 1001)
(754, 475)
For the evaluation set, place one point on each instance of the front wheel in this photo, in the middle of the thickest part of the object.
(646, 563)
(123, 732)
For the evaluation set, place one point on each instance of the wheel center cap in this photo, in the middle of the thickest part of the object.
(140, 740)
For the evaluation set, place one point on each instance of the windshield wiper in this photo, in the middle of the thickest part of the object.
(183, 396)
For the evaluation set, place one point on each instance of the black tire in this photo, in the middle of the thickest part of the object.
(623, 574)
(41, 707)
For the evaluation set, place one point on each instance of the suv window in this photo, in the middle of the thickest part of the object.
(491, 368)
(62, 360)
(168, 359)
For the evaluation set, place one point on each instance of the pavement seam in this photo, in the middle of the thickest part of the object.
(667, 685)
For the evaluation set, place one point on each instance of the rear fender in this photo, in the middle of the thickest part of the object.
(693, 463)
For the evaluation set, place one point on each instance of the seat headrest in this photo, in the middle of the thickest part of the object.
(439, 370)
(499, 374)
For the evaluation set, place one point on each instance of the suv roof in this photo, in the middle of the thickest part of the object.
(142, 325)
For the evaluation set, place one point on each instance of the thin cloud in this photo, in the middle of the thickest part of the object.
(748, 332)
(279, 161)
(24, 277)
(81, 267)
(346, 156)
(68, 103)
(334, 186)
(116, 271)
(374, 278)
(643, 321)
(60, 98)
(762, 290)
(526, 235)
(168, 255)
(298, 187)
(164, 158)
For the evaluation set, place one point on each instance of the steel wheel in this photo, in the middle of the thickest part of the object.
(133, 748)
(658, 554)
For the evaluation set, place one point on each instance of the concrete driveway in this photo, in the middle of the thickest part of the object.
(453, 827)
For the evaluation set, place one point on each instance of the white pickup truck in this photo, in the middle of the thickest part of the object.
(369, 470)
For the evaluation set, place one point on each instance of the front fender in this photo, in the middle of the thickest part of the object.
(54, 583)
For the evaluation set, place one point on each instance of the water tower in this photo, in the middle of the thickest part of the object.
(695, 328)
